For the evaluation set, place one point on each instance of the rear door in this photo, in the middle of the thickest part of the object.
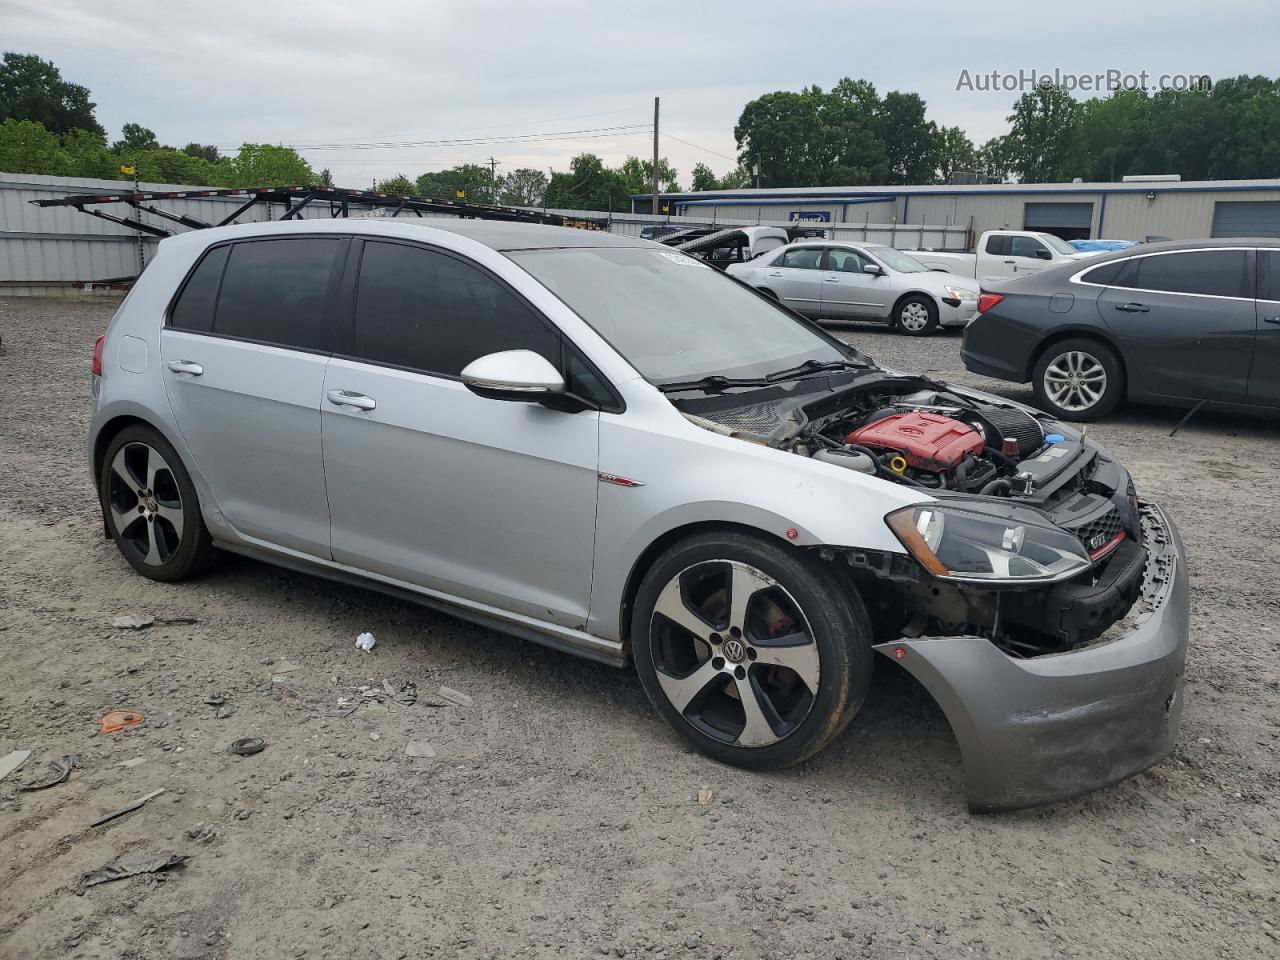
(1264, 374)
(1185, 322)
(487, 500)
(244, 351)
(849, 291)
(796, 277)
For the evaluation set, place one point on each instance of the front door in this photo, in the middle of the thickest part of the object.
(487, 500)
(1187, 320)
(796, 278)
(1026, 255)
(849, 291)
(244, 353)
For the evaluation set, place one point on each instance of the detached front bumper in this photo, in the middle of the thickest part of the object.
(1039, 730)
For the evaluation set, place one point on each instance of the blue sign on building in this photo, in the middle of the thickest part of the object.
(820, 216)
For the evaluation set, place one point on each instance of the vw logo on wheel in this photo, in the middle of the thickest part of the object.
(734, 651)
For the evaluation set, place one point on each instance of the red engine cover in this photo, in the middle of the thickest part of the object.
(925, 440)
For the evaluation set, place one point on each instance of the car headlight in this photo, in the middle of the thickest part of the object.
(957, 544)
(961, 293)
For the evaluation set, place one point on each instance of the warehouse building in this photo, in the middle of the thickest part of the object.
(1136, 209)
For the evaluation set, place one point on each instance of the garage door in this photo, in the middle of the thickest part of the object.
(1246, 218)
(1070, 221)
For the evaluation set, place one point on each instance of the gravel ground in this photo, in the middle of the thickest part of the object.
(559, 816)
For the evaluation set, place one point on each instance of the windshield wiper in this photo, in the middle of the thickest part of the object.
(718, 382)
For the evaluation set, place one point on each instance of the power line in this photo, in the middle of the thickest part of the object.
(591, 132)
(672, 136)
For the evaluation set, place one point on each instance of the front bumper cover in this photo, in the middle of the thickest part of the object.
(1050, 728)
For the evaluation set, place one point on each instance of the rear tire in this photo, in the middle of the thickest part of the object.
(150, 507)
(794, 639)
(916, 316)
(1078, 379)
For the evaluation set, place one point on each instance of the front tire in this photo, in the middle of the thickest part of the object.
(150, 507)
(754, 652)
(1078, 379)
(916, 316)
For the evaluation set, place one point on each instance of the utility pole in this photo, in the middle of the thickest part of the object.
(654, 207)
(493, 179)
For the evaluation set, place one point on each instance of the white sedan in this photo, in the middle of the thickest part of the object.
(833, 280)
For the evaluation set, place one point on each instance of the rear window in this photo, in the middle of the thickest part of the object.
(998, 245)
(193, 310)
(802, 258)
(1105, 274)
(1269, 274)
(276, 291)
(1214, 273)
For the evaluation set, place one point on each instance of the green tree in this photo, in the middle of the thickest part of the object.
(589, 185)
(638, 175)
(994, 159)
(703, 178)
(739, 178)
(326, 178)
(87, 156)
(33, 89)
(136, 137)
(523, 187)
(912, 143)
(955, 152)
(398, 184)
(1042, 134)
(202, 150)
(472, 180)
(265, 165)
(27, 147)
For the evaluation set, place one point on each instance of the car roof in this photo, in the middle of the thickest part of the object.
(1168, 246)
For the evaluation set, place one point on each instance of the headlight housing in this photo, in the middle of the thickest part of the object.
(969, 546)
(961, 293)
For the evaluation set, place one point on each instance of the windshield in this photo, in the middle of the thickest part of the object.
(1061, 246)
(897, 260)
(673, 317)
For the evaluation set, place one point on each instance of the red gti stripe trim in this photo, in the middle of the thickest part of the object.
(1107, 547)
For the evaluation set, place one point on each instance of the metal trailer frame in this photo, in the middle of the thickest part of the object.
(294, 200)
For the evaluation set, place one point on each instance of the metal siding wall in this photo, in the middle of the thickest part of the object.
(1251, 218)
(78, 247)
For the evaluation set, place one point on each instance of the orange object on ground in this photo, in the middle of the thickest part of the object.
(119, 720)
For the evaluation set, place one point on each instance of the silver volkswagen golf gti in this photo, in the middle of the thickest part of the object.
(602, 445)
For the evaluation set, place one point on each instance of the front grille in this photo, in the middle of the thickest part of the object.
(1097, 534)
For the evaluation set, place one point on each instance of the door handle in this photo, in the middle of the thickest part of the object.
(1271, 319)
(186, 366)
(347, 398)
(1133, 308)
(1014, 262)
(775, 273)
(831, 279)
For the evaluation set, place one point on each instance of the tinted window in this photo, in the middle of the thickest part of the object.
(1025, 247)
(1269, 274)
(1214, 272)
(433, 312)
(1104, 274)
(845, 261)
(998, 246)
(194, 307)
(802, 258)
(275, 291)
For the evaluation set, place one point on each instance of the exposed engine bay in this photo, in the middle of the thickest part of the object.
(1003, 463)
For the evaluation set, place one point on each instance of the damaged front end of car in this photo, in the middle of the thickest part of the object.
(1041, 603)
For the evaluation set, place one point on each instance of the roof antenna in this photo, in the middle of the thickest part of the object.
(1190, 413)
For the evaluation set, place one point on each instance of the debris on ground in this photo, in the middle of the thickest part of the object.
(282, 668)
(216, 699)
(12, 762)
(59, 772)
(127, 808)
(131, 621)
(121, 870)
(419, 748)
(225, 711)
(705, 796)
(453, 696)
(117, 720)
(132, 762)
(365, 642)
(247, 746)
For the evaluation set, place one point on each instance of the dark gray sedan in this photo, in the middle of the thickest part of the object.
(1178, 323)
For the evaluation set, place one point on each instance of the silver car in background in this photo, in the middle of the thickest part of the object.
(836, 280)
(605, 446)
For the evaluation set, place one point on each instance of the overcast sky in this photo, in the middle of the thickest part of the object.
(362, 71)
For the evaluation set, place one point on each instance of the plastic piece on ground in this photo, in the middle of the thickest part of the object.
(121, 870)
(454, 696)
(419, 748)
(365, 642)
(59, 772)
(131, 622)
(12, 762)
(119, 720)
(247, 746)
(127, 808)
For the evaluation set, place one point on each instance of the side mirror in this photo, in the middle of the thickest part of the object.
(1044, 254)
(872, 268)
(519, 375)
